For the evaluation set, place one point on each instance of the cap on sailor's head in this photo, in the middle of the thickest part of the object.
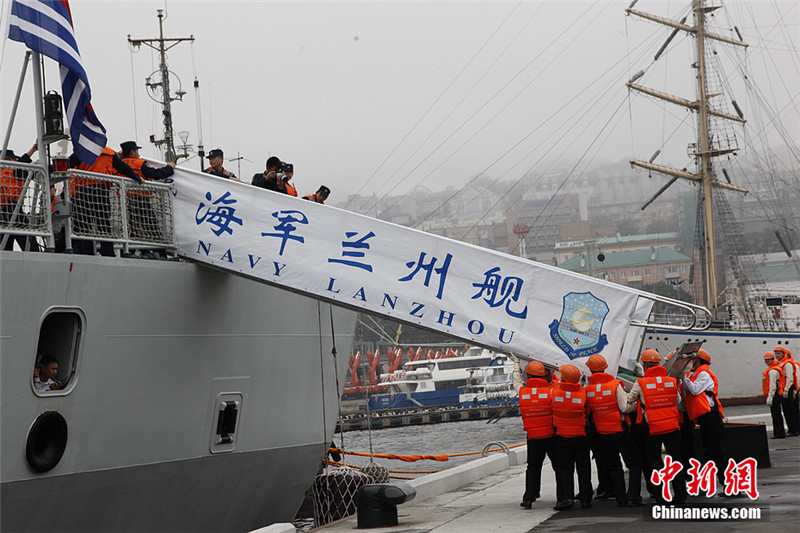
(129, 146)
(216, 152)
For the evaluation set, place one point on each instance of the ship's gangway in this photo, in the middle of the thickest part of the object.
(475, 294)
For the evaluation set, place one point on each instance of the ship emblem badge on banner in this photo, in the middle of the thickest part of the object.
(579, 331)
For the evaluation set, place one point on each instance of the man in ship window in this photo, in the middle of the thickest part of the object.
(46, 380)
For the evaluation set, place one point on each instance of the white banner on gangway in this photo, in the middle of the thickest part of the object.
(473, 293)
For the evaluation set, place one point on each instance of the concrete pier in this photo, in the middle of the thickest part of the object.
(415, 417)
(484, 495)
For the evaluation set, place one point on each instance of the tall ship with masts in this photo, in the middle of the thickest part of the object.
(745, 322)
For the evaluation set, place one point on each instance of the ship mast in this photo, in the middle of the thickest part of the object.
(158, 84)
(704, 151)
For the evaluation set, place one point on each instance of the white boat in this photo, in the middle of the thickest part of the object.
(441, 382)
(489, 386)
(746, 323)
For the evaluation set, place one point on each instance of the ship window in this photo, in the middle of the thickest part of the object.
(59, 343)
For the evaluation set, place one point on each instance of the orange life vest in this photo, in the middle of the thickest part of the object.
(535, 405)
(660, 400)
(697, 406)
(104, 164)
(601, 397)
(10, 188)
(290, 190)
(781, 378)
(136, 165)
(788, 360)
(569, 410)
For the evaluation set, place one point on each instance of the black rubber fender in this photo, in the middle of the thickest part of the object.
(47, 440)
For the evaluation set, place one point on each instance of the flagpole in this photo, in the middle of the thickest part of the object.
(16, 104)
(43, 162)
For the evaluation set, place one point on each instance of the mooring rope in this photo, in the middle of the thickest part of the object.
(421, 457)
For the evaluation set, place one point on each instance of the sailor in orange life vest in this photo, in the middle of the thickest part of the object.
(141, 215)
(287, 170)
(607, 400)
(789, 401)
(90, 199)
(320, 196)
(700, 391)
(130, 155)
(12, 183)
(773, 383)
(686, 424)
(216, 159)
(657, 395)
(537, 419)
(571, 445)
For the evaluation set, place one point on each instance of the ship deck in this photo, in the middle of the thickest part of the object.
(491, 503)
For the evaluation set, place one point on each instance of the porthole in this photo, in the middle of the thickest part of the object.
(56, 358)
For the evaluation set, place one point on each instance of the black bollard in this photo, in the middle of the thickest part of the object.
(377, 503)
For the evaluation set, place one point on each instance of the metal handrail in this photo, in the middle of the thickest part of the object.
(29, 214)
(693, 310)
(126, 189)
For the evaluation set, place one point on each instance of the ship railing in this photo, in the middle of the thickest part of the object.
(24, 202)
(118, 210)
(697, 316)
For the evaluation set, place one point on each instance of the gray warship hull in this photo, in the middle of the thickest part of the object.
(161, 344)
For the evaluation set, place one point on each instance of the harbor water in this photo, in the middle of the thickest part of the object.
(470, 436)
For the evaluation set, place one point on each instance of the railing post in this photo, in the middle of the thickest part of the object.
(68, 222)
(123, 209)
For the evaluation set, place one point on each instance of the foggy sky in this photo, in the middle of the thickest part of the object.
(380, 97)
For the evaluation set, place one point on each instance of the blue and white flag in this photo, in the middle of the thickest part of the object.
(45, 26)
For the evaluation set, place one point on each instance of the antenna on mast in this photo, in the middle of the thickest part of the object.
(200, 148)
(158, 85)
